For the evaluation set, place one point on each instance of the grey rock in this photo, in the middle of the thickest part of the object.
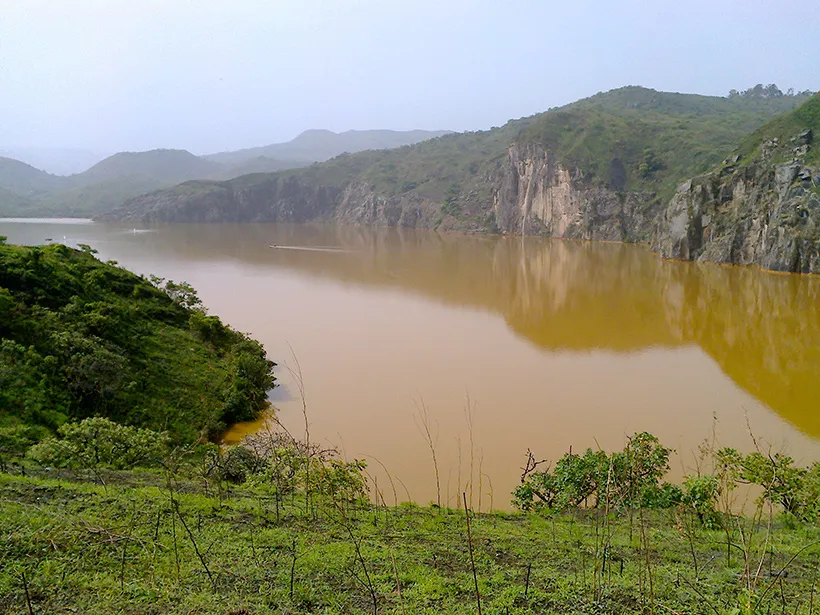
(785, 174)
(768, 222)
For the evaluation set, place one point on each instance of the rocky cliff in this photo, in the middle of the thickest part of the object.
(538, 195)
(762, 213)
(268, 198)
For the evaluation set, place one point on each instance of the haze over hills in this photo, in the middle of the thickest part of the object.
(28, 191)
(321, 145)
(26, 181)
(54, 160)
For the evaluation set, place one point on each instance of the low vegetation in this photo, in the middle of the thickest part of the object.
(113, 500)
(279, 526)
(783, 132)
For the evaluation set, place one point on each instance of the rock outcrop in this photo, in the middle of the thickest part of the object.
(762, 214)
(538, 195)
(275, 199)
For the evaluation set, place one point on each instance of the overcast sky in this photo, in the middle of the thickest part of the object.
(212, 75)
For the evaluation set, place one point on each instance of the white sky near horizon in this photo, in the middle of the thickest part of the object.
(207, 75)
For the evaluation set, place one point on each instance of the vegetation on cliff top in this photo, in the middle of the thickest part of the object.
(81, 338)
(785, 129)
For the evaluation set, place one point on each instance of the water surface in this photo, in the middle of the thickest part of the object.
(556, 343)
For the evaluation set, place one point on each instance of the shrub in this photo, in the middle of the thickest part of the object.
(700, 493)
(97, 442)
(627, 478)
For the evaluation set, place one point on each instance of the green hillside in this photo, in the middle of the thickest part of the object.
(784, 129)
(13, 202)
(161, 165)
(81, 338)
(659, 138)
(28, 192)
(102, 187)
(628, 139)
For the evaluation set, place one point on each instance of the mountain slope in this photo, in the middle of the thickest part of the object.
(106, 185)
(54, 160)
(161, 165)
(24, 180)
(596, 169)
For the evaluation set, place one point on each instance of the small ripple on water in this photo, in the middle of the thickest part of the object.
(311, 248)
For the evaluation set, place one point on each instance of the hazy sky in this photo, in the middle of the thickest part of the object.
(208, 75)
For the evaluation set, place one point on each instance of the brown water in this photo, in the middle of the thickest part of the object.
(557, 343)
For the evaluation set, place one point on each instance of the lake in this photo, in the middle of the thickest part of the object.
(509, 343)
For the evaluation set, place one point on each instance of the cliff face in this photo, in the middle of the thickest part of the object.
(538, 195)
(274, 199)
(763, 214)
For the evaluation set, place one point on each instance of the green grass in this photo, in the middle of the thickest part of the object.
(87, 548)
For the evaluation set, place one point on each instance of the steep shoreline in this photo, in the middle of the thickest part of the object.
(561, 175)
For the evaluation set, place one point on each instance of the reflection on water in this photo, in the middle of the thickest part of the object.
(557, 342)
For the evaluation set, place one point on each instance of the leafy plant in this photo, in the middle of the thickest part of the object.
(629, 478)
(97, 442)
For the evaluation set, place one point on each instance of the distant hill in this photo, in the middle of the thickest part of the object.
(55, 160)
(160, 165)
(27, 191)
(26, 181)
(260, 164)
(321, 145)
(104, 186)
(13, 201)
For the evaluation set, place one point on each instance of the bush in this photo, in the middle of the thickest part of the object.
(700, 493)
(97, 442)
(627, 478)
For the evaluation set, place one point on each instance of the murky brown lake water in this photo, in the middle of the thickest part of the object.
(557, 343)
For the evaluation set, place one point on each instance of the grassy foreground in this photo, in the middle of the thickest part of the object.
(143, 543)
